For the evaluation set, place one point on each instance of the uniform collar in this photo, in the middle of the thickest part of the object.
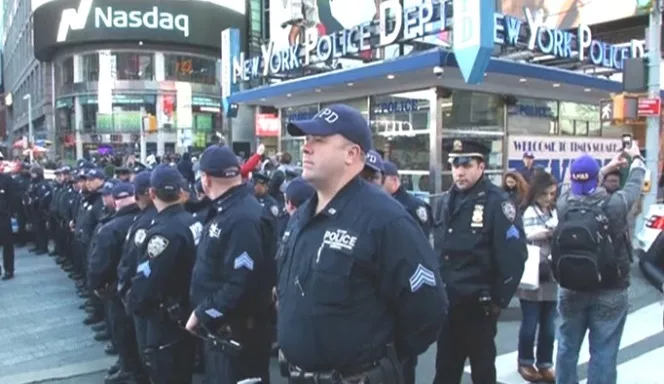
(400, 192)
(339, 201)
(172, 210)
(230, 197)
(130, 209)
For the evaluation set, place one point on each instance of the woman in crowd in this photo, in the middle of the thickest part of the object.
(538, 306)
(516, 186)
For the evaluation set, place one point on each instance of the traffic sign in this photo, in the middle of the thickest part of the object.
(649, 107)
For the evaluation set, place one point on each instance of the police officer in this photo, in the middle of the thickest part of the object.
(261, 187)
(480, 241)
(7, 193)
(21, 182)
(39, 197)
(417, 208)
(134, 344)
(297, 192)
(358, 286)
(123, 174)
(201, 207)
(233, 275)
(373, 168)
(90, 212)
(105, 254)
(57, 188)
(160, 289)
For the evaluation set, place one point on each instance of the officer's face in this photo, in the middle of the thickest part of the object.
(108, 201)
(466, 175)
(528, 162)
(391, 184)
(260, 189)
(328, 157)
(93, 184)
(59, 178)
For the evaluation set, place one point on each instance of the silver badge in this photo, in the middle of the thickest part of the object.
(509, 210)
(274, 210)
(156, 246)
(139, 236)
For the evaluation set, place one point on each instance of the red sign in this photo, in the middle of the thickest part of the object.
(267, 125)
(649, 107)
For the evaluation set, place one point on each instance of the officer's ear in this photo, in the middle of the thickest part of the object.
(481, 165)
(152, 194)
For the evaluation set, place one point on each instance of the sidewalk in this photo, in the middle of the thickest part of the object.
(41, 331)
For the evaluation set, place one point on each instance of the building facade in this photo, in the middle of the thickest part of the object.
(102, 75)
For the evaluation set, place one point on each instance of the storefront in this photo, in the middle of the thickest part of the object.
(413, 102)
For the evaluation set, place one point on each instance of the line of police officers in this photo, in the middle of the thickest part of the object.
(359, 289)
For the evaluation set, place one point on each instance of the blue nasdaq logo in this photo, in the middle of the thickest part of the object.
(473, 37)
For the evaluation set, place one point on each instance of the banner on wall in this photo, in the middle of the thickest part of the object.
(267, 125)
(556, 154)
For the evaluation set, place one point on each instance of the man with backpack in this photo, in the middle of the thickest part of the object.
(591, 256)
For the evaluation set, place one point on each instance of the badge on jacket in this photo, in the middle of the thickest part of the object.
(477, 220)
(156, 246)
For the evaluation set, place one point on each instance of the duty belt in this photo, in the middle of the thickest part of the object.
(374, 373)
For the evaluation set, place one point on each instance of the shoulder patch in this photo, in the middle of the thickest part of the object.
(509, 210)
(422, 214)
(157, 245)
(244, 261)
(275, 210)
(196, 231)
(421, 276)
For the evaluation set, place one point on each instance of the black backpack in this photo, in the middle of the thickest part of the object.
(582, 249)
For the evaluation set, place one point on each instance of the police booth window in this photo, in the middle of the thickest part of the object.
(476, 116)
(400, 126)
(529, 116)
(293, 145)
(578, 119)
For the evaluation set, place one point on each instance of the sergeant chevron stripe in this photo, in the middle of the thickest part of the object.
(421, 277)
(244, 260)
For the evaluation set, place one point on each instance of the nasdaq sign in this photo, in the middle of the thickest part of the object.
(472, 38)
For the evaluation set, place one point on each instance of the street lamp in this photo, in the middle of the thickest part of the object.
(28, 98)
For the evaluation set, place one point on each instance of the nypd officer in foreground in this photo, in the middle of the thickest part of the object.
(358, 285)
(479, 238)
(160, 289)
(233, 274)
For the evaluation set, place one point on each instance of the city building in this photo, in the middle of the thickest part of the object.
(401, 72)
(99, 73)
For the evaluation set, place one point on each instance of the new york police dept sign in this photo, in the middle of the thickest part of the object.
(472, 37)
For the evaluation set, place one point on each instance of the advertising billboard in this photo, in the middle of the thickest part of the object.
(289, 19)
(566, 14)
(196, 24)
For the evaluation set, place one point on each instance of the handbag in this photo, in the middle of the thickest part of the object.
(530, 279)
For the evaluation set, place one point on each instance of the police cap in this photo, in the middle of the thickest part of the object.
(260, 178)
(373, 161)
(107, 188)
(122, 190)
(165, 178)
(65, 170)
(122, 171)
(390, 169)
(463, 151)
(219, 161)
(96, 174)
(298, 191)
(337, 119)
(142, 183)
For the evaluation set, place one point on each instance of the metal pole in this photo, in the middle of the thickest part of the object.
(652, 132)
(143, 144)
(31, 139)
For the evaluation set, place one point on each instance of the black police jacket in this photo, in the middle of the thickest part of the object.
(7, 191)
(74, 205)
(89, 213)
(234, 268)
(166, 260)
(353, 278)
(106, 247)
(132, 246)
(480, 242)
(418, 209)
(201, 210)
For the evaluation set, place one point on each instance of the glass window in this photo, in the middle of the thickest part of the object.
(579, 119)
(127, 115)
(191, 69)
(467, 110)
(533, 117)
(91, 67)
(400, 126)
(64, 118)
(134, 66)
(289, 114)
(67, 71)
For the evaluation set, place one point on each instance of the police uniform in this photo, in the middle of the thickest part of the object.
(417, 208)
(57, 189)
(39, 197)
(357, 281)
(373, 167)
(21, 183)
(480, 241)
(297, 192)
(233, 276)
(6, 237)
(268, 202)
(159, 292)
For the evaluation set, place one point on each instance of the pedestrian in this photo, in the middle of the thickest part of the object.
(7, 193)
(479, 239)
(538, 307)
(357, 284)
